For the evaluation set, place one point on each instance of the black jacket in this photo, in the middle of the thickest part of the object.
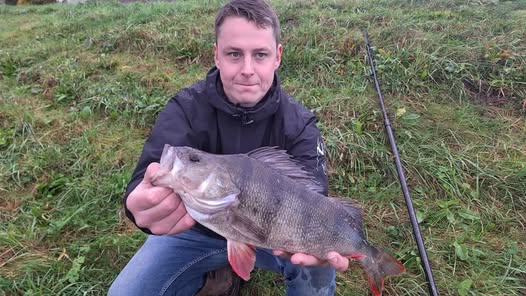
(201, 117)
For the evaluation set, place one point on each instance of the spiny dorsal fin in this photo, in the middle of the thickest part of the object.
(283, 162)
(353, 210)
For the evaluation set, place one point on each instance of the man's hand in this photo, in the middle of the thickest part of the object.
(158, 208)
(334, 259)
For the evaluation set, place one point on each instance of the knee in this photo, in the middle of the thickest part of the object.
(320, 276)
(128, 283)
(117, 288)
(311, 280)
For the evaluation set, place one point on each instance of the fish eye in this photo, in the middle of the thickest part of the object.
(194, 157)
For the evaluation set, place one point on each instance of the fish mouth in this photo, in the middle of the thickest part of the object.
(161, 177)
(157, 176)
(170, 164)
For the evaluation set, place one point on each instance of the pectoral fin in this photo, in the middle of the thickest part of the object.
(242, 258)
(247, 228)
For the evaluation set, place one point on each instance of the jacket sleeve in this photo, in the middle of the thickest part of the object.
(309, 149)
(171, 127)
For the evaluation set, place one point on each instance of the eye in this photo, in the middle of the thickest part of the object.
(234, 54)
(261, 55)
(194, 157)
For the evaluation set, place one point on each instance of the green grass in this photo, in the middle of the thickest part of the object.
(81, 85)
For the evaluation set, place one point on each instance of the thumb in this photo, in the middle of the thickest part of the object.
(150, 172)
(337, 261)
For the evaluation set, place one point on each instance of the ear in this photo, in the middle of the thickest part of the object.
(278, 56)
(216, 59)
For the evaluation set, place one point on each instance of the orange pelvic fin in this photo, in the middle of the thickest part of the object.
(242, 258)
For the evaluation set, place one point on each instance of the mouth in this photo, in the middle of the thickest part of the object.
(246, 84)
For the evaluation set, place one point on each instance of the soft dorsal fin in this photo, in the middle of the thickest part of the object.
(354, 212)
(283, 162)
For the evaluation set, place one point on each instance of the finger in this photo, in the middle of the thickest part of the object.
(306, 260)
(176, 222)
(145, 197)
(281, 253)
(150, 171)
(185, 223)
(159, 195)
(170, 205)
(337, 261)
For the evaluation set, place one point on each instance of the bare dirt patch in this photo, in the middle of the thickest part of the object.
(483, 93)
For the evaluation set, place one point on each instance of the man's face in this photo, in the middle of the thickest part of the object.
(246, 57)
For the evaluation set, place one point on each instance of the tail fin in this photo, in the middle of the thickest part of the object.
(378, 265)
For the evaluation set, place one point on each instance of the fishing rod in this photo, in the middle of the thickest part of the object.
(408, 201)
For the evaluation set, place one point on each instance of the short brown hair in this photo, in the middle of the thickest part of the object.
(257, 11)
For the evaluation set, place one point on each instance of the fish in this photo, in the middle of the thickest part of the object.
(265, 198)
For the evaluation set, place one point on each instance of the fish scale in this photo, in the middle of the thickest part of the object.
(287, 230)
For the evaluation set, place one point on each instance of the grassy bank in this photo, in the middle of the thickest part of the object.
(81, 85)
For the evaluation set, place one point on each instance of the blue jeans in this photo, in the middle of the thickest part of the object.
(177, 265)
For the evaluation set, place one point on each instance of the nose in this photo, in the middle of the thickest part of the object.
(248, 68)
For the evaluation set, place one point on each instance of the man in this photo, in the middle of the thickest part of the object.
(238, 107)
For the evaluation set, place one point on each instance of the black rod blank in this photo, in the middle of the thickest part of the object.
(408, 201)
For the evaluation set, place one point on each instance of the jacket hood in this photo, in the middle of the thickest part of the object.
(247, 115)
